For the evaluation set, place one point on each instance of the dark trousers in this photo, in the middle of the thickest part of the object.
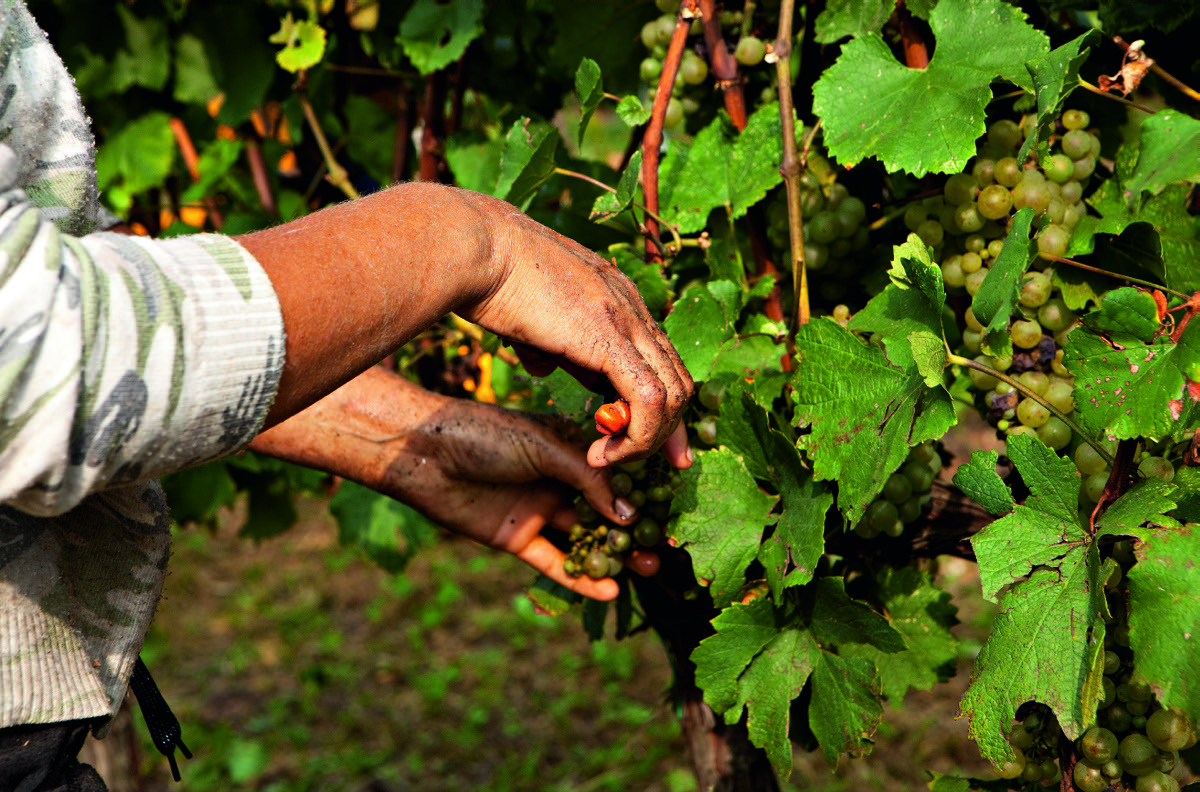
(44, 758)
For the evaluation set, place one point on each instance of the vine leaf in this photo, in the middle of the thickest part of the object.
(923, 615)
(721, 167)
(845, 707)
(527, 160)
(303, 43)
(433, 35)
(979, 480)
(697, 327)
(1055, 76)
(719, 515)
(993, 304)
(389, 532)
(835, 619)
(912, 304)
(852, 18)
(925, 120)
(632, 111)
(609, 205)
(648, 278)
(1164, 601)
(590, 87)
(1134, 389)
(1170, 153)
(1125, 313)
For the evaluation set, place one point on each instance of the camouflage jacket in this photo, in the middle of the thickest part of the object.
(121, 359)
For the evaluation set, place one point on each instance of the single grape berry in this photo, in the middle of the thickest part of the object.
(621, 484)
(1168, 729)
(650, 69)
(693, 69)
(897, 488)
(750, 51)
(1075, 119)
(1137, 754)
(647, 532)
(619, 541)
(711, 393)
(706, 430)
(595, 564)
(1160, 467)
(644, 562)
(1098, 745)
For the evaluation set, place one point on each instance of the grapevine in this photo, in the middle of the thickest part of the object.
(863, 232)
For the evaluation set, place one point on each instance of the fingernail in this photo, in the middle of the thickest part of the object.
(624, 508)
(687, 452)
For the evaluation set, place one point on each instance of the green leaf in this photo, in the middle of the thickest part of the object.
(910, 305)
(719, 515)
(303, 43)
(993, 304)
(136, 158)
(1147, 501)
(215, 161)
(741, 633)
(595, 614)
(925, 120)
(1164, 600)
(980, 482)
(389, 532)
(145, 59)
(1034, 533)
(948, 783)
(609, 205)
(632, 111)
(564, 392)
(649, 278)
(1124, 313)
(862, 425)
(550, 597)
(922, 614)
(475, 161)
(845, 707)
(929, 353)
(1137, 391)
(852, 18)
(434, 35)
(370, 136)
(1170, 153)
(527, 160)
(1187, 479)
(590, 89)
(194, 81)
(721, 168)
(246, 759)
(196, 494)
(838, 620)
(1055, 76)
(697, 327)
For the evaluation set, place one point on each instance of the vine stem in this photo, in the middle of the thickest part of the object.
(1088, 86)
(1161, 72)
(262, 181)
(674, 231)
(724, 67)
(337, 174)
(652, 139)
(1119, 276)
(789, 168)
(1027, 392)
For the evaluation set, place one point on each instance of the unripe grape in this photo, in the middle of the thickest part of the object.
(975, 280)
(1084, 168)
(811, 202)
(972, 340)
(1035, 290)
(1075, 119)
(841, 313)
(823, 227)
(1020, 737)
(910, 510)
(621, 484)
(967, 218)
(1076, 144)
(666, 28)
(1056, 211)
(1098, 745)
(852, 209)
(995, 202)
(919, 475)
(711, 394)
(1093, 488)
(994, 247)
(816, 255)
(972, 322)
(1031, 413)
(1013, 767)
(595, 564)
(650, 34)
(750, 51)
(837, 193)
(1137, 754)
(960, 189)
(1055, 316)
(1052, 241)
(674, 115)
(1087, 462)
(647, 532)
(1157, 781)
(1032, 772)
(1168, 729)
(1108, 693)
(1112, 769)
(1072, 192)
(1059, 168)
(1004, 134)
(981, 379)
(1089, 779)
(970, 262)
(984, 171)
(881, 515)
(1025, 334)
(914, 215)
(931, 232)
(659, 494)
(1073, 214)
(952, 274)
(585, 514)
(1157, 466)
(897, 488)
(1112, 661)
(1036, 381)
(1033, 194)
(693, 69)
(706, 430)
(650, 69)
(619, 540)
(1007, 172)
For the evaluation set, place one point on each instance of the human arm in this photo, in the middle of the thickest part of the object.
(496, 476)
(357, 280)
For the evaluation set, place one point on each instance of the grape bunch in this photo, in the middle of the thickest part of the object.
(905, 494)
(1034, 741)
(598, 550)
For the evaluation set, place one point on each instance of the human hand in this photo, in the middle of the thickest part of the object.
(496, 476)
(564, 305)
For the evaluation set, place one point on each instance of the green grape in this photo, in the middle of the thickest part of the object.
(881, 514)
(1098, 745)
(585, 513)
(659, 494)
(1055, 316)
(931, 232)
(1087, 462)
(666, 28)
(811, 202)
(1025, 334)
(1073, 214)
(711, 394)
(1052, 241)
(1169, 729)
(1031, 413)
(750, 51)
(972, 340)
(970, 262)
(595, 564)
(960, 189)
(1072, 192)
(1050, 770)
(1093, 488)
(692, 68)
(983, 171)
(975, 243)
(994, 248)
(1059, 168)
(981, 379)
(1167, 760)
(1020, 737)
(914, 215)
(967, 218)
(1112, 769)
(1032, 772)
(1076, 144)
(1108, 693)
(619, 540)
(816, 255)
(650, 69)
(1137, 754)
(919, 475)
(910, 510)
(1033, 194)
(972, 322)
(852, 210)
(995, 202)
(1013, 767)
(1157, 781)
(650, 34)
(1036, 381)
(823, 227)
(1157, 466)
(953, 275)
(837, 193)
(1089, 779)
(706, 430)
(1056, 211)
(1004, 134)
(1137, 708)
(1075, 119)
(841, 313)
(897, 488)
(637, 498)
(896, 528)
(647, 532)
(975, 280)
(1084, 167)
(1007, 172)
(674, 114)
(1055, 433)
(621, 484)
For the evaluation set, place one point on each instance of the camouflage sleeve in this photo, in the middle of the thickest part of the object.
(123, 359)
